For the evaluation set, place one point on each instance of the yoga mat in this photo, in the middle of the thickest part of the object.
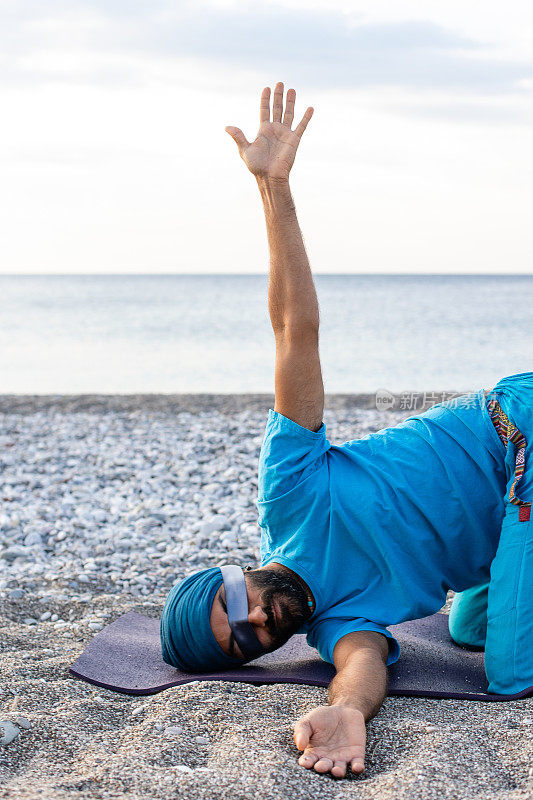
(126, 657)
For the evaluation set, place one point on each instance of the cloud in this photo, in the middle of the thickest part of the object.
(467, 110)
(315, 48)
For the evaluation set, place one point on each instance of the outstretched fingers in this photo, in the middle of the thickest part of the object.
(289, 107)
(277, 106)
(238, 137)
(264, 107)
(303, 124)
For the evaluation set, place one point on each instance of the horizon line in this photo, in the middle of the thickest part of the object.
(260, 274)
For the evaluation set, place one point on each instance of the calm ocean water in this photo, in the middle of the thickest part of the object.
(211, 333)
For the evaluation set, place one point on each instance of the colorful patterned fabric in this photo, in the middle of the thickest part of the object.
(508, 432)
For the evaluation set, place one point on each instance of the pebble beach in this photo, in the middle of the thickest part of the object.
(107, 501)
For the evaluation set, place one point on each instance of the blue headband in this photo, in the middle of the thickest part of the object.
(237, 607)
(187, 641)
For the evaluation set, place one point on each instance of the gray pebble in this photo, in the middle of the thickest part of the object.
(11, 553)
(8, 732)
(32, 538)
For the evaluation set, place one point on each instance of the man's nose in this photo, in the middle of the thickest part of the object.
(257, 616)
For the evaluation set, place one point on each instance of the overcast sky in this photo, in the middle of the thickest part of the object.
(114, 158)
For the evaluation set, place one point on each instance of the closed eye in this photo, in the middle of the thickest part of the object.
(232, 637)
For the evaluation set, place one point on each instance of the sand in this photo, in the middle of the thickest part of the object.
(86, 742)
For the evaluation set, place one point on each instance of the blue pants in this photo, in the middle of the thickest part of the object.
(498, 615)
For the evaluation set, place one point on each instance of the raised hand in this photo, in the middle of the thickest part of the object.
(272, 153)
(332, 738)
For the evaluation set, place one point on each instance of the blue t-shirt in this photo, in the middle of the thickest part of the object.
(381, 527)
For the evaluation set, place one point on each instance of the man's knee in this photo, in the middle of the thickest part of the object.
(467, 622)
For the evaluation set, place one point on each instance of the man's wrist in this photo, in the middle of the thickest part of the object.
(276, 196)
(352, 703)
(267, 182)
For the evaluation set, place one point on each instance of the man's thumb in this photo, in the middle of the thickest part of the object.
(302, 732)
(238, 136)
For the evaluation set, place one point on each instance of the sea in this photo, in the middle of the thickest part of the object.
(128, 334)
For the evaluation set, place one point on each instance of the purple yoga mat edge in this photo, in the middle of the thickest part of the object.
(486, 698)
(428, 638)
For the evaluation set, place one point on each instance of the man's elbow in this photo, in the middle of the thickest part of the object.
(361, 645)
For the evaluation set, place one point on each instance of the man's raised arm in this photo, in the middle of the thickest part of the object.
(292, 299)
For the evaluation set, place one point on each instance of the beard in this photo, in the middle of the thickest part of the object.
(291, 601)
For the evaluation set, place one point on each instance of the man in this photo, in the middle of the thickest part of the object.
(373, 532)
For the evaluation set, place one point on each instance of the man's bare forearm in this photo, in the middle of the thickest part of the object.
(337, 731)
(292, 299)
(361, 683)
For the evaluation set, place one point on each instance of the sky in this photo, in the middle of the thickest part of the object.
(114, 157)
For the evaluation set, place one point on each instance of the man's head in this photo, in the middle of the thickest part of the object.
(195, 632)
(277, 607)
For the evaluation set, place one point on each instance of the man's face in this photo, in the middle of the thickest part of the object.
(277, 606)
